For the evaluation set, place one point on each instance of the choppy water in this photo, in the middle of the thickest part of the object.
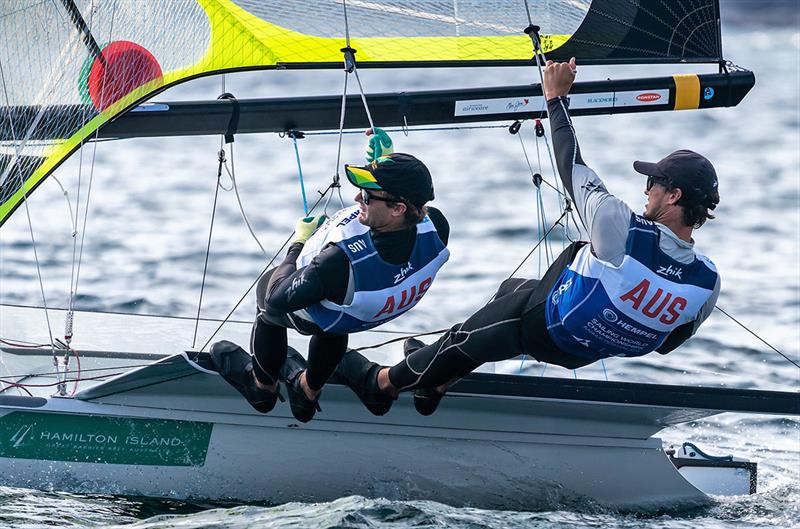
(148, 225)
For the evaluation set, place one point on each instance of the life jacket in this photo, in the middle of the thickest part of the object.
(377, 291)
(596, 310)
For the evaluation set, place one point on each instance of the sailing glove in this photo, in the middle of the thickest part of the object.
(379, 145)
(306, 226)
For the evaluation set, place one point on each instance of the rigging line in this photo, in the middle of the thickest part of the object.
(339, 145)
(69, 205)
(539, 212)
(548, 247)
(83, 29)
(85, 223)
(117, 313)
(27, 210)
(293, 135)
(24, 344)
(401, 338)
(69, 318)
(406, 129)
(51, 373)
(528, 11)
(221, 156)
(563, 191)
(533, 33)
(363, 97)
(530, 168)
(743, 326)
(346, 25)
(232, 174)
(351, 66)
(236, 306)
(65, 381)
(556, 223)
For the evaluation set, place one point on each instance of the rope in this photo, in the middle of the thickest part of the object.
(400, 339)
(405, 130)
(743, 326)
(232, 174)
(556, 223)
(339, 145)
(236, 306)
(17, 146)
(293, 134)
(69, 202)
(221, 156)
(349, 67)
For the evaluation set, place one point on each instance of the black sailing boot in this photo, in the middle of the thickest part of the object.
(303, 408)
(426, 400)
(236, 367)
(361, 375)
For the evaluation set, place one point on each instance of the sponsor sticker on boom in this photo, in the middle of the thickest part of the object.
(648, 96)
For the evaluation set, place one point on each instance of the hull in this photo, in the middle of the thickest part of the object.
(176, 429)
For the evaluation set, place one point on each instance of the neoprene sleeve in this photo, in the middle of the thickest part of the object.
(326, 276)
(606, 217)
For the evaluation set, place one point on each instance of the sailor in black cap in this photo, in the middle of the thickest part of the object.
(638, 286)
(362, 267)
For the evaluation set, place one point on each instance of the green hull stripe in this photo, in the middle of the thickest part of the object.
(106, 440)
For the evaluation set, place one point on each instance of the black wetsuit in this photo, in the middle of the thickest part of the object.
(286, 289)
(514, 322)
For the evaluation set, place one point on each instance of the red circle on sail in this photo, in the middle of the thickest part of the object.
(127, 67)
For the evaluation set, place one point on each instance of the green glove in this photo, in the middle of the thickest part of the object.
(306, 226)
(380, 144)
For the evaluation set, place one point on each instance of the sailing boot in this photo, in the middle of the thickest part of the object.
(236, 367)
(303, 408)
(361, 375)
(426, 400)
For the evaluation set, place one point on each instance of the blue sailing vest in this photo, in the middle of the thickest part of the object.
(596, 310)
(377, 291)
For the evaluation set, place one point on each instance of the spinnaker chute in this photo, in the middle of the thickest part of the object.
(78, 64)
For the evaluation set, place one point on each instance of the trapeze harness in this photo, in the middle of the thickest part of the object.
(596, 310)
(377, 291)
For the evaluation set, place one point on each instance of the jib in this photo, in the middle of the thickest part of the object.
(408, 298)
(660, 304)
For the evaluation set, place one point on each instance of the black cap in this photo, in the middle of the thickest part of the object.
(692, 173)
(398, 174)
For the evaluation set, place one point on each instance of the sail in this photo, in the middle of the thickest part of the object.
(67, 67)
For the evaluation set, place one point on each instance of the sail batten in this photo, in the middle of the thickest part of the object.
(88, 61)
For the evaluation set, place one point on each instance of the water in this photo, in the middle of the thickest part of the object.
(148, 227)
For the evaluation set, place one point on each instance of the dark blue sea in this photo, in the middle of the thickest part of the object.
(148, 224)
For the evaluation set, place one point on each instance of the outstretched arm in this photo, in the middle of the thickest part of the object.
(605, 217)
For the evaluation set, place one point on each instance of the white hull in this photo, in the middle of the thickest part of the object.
(483, 450)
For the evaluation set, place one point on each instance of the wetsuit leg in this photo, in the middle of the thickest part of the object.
(325, 351)
(269, 345)
(514, 284)
(489, 335)
(268, 339)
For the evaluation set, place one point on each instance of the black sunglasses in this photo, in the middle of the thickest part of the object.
(653, 180)
(366, 197)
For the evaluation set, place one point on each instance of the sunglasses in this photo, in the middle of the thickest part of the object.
(653, 180)
(367, 197)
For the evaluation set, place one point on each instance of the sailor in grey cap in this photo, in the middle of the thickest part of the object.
(638, 286)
